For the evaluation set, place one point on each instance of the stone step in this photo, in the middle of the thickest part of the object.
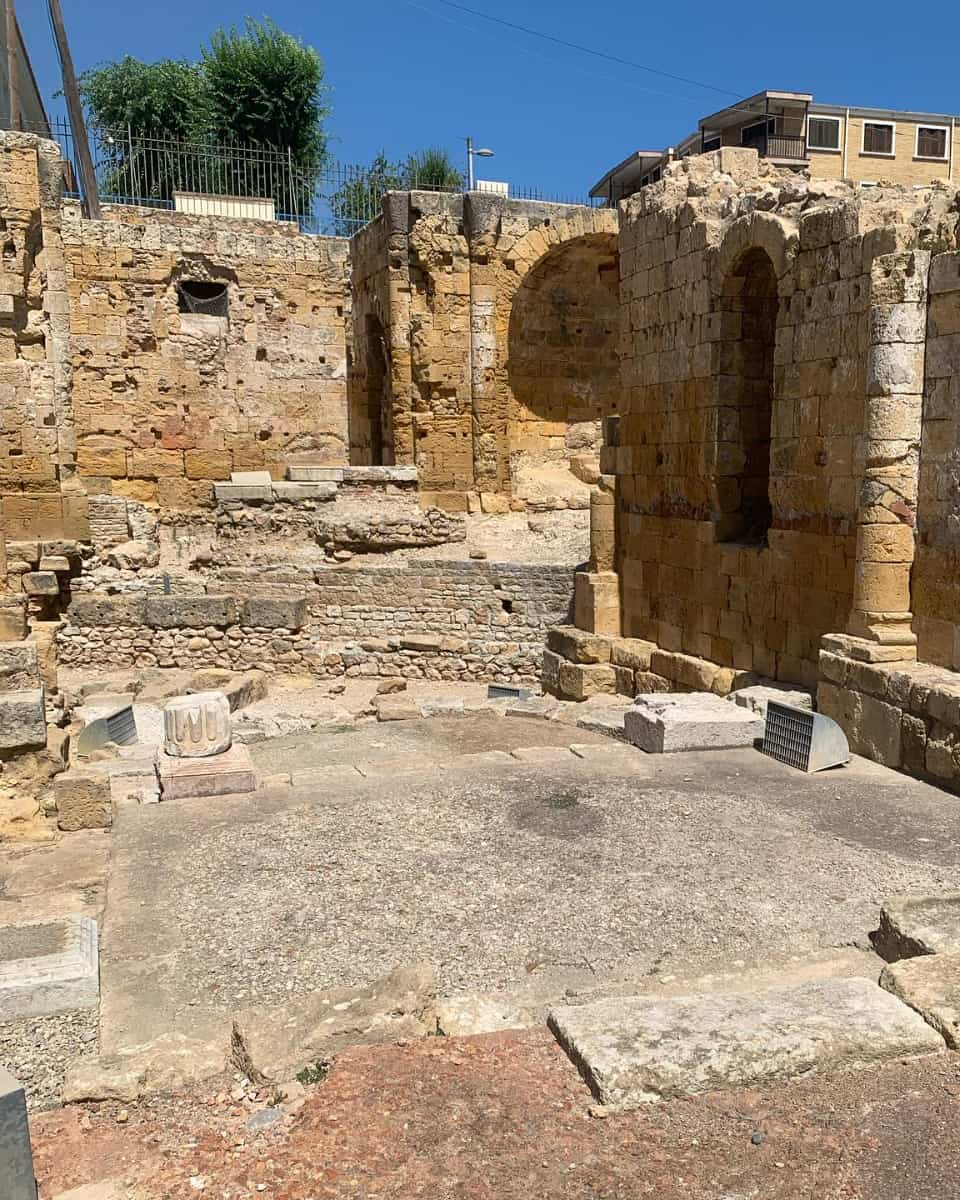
(638, 1050)
(912, 925)
(670, 721)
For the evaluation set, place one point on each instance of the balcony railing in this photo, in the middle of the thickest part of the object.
(775, 145)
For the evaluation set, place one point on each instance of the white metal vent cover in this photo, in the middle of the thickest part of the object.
(806, 740)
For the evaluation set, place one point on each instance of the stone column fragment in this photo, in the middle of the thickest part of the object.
(197, 726)
(889, 452)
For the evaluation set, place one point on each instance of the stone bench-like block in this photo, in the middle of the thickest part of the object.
(293, 491)
(23, 721)
(640, 1050)
(308, 474)
(756, 697)
(96, 611)
(195, 778)
(379, 474)
(16, 1157)
(48, 967)
(196, 726)
(190, 612)
(275, 612)
(244, 491)
(671, 721)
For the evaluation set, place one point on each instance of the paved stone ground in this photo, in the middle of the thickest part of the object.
(506, 1117)
(500, 874)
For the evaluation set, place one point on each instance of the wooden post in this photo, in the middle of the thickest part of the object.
(13, 70)
(88, 177)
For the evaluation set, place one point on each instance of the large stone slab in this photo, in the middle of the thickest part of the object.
(610, 721)
(23, 719)
(17, 1180)
(758, 696)
(48, 967)
(99, 611)
(222, 775)
(275, 612)
(636, 1051)
(190, 612)
(912, 925)
(82, 797)
(931, 985)
(671, 721)
(19, 666)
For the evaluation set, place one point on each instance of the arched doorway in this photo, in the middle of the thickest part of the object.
(749, 304)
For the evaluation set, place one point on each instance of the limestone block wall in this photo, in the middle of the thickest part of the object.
(370, 356)
(168, 400)
(498, 320)
(936, 572)
(771, 370)
(442, 620)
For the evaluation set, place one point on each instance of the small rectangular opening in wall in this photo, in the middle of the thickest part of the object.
(202, 296)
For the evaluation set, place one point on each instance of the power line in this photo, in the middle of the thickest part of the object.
(549, 37)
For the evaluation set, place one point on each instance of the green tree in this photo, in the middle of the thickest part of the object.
(165, 99)
(358, 198)
(433, 170)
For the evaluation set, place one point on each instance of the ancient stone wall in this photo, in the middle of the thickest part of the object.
(443, 620)
(936, 573)
(499, 322)
(370, 356)
(201, 346)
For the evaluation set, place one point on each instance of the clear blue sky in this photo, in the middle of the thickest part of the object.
(411, 73)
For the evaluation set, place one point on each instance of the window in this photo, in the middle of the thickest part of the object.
(877, 137)
(931, 141)
(823, 133)
(201, 296)
(711, 141)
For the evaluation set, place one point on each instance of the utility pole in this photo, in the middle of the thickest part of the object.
(88, 177)
(13, 79)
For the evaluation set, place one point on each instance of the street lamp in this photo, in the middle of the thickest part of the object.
(471, 153)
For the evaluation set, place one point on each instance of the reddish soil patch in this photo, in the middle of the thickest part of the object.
(506, 1117)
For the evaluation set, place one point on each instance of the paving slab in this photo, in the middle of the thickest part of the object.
(224, 774)
(48, 966)
(610, 721)
(638, 1051)
(17, 1180)
(673, 721)
(931, 985)
(912, 925)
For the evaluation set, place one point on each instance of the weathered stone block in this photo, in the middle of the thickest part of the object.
(196, 726)
(631, 652)
(550, 672)
(190, 612)
(13, 618)
(83, 800)
(41, 583)
(580, 680)
(48, 966)
(579, 646)
(58, 563)
(275, 612)
(16, 1156)
(399, 707)
(640, 1050)
(23, 722)
(930, 984)
(19, 667)
(97, 611)
(222, 775)
(307, 474)
(292, 492)
(689, 721)
(246, 492)
(914, 925)
(423, 643)
(758, 696)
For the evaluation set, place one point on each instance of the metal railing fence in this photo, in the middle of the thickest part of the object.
(321, 195)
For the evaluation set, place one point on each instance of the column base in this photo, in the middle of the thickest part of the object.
(596, 602)
(866, 649)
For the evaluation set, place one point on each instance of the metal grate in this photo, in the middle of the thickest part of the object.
(501, 691)
(122, 727)
(805, 740)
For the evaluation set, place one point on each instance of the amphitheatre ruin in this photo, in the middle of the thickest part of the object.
(352, 586)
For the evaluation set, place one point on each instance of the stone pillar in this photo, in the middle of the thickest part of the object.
(481, 221)
(399, 445)
(603, 542)
(197, 726)
(17, 1180)
(889, 457)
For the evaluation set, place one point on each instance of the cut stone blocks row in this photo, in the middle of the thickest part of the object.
(306, 483)
(191, 612)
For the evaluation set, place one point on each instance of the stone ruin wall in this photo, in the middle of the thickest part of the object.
(168, 401)
(499, 320)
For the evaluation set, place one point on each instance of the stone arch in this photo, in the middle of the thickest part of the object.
(778, 238)
(560, 360)
(749, 304)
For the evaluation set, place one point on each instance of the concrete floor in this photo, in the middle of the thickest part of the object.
(504, 875)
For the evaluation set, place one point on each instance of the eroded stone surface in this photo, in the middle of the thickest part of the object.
(48, 967)
(931, 985)
(636, 1051)
(689, 721)
(197, 726)
(912, 925)
(220, 775)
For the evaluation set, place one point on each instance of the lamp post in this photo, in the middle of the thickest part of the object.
(471, 154)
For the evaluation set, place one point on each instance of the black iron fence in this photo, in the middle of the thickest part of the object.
(321, 195)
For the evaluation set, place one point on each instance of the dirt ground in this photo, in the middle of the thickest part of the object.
(506, 1117)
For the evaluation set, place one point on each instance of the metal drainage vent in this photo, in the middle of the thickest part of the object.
(118, 727)
(802, 739)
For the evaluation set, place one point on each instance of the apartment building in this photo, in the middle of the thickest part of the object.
(863, 145)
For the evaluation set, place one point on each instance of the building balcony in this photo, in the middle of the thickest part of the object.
(782, 147)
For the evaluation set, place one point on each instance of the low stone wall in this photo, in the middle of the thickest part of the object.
(445, 620)
(902, 714)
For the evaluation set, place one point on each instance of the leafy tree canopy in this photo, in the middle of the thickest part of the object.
(358, 200)
(167, 97)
